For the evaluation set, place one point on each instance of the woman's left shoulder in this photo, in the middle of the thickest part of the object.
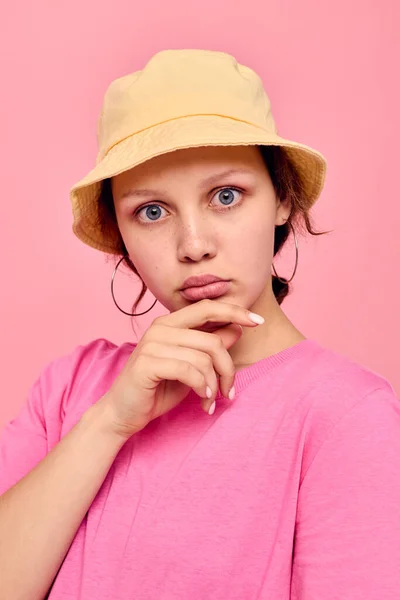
(337, 383)
(345, 402)
(340, 375)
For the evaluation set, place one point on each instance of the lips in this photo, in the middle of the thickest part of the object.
(212, 290)
(200, 280)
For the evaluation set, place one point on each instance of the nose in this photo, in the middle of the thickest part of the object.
(196, 241)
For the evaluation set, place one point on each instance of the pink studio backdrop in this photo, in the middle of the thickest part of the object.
(331, 74)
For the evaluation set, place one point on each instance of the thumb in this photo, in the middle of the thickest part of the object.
(229, 334)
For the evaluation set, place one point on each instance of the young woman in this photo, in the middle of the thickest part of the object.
(223, 456)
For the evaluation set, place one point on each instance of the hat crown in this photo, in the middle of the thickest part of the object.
(179, 83)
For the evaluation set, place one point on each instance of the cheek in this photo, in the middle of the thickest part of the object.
(256, 244)
(153, 264)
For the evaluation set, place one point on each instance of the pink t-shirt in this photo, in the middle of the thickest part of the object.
(292, 491)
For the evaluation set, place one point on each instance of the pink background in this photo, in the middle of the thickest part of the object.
(331, 72)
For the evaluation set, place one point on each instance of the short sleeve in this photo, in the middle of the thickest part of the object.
(26, 439)
(65, 388)
(347, 533)
(23, 441)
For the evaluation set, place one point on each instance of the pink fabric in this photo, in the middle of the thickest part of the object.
(290, 492)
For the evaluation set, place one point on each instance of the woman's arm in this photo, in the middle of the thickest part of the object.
(40, 515)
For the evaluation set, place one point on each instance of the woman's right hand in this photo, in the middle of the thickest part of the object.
(172, 358)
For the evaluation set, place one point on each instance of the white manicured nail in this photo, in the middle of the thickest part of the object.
(256, 318)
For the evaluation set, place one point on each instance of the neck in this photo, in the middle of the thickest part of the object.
(276, 334)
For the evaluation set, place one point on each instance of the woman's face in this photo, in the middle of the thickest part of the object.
(208, 210)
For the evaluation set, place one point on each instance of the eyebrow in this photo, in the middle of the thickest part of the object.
(203, 184)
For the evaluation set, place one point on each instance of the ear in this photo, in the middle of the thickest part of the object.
(283, 210)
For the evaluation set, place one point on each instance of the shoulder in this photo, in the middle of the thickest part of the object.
(318, 378)
(324, 367)
(337, 392)
(62, 391)
(100, 352)
(81, 360)
(74, 381)
(330, 376)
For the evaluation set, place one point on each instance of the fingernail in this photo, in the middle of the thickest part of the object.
(212, 408)
(231, 394)
(256, 318)
(208, 392)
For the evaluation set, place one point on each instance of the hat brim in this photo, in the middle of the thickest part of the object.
(185, 132)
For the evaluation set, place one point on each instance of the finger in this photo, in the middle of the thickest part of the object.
(199, 313)
(210, 343)
(201, 360)
(170, 369)
(229, 335)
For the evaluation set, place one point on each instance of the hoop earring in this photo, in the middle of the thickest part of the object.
(115, 302)
(297, 258)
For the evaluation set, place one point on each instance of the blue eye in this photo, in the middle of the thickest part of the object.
(152, 211)
(226, 195)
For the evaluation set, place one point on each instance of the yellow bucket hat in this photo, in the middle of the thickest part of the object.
(181, 99)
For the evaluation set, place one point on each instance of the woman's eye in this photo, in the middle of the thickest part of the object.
(226, 196)
(152, 212)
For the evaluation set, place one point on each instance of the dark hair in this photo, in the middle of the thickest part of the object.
(287, 185)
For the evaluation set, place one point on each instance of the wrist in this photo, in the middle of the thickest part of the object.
(99, 418)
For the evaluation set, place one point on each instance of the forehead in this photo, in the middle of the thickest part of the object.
(191, 162)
